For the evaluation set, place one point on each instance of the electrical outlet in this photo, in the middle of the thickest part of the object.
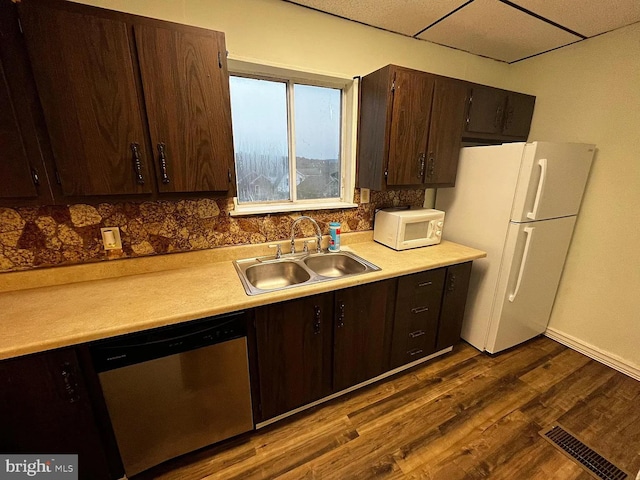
(364, 195)
(111, 238)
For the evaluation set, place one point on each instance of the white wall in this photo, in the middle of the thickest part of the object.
(282, 33)
(590, 92)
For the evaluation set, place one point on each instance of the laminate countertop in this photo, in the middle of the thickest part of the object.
(58, 307)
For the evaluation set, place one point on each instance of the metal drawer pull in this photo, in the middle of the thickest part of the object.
(417, 333)
(419, 309)
(425, 284)
(417, 351)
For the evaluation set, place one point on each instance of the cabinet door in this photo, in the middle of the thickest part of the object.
(86, 81)
(485, 110)
(417, 310)
(45, 408)
(23, 176)
(362, 333)
(445, 132)
(517, 120)
(15, 169)
(186, 91)
(294, 353)
(454, 300)
(410, 118)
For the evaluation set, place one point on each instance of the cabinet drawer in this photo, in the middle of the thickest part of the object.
(422, 289)
(415, 328)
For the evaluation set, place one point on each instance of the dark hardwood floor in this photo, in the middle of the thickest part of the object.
(466, 415)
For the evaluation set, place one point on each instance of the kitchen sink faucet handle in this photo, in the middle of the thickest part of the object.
(305, 245)
(278, 248)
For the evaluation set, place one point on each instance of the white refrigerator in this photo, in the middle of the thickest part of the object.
(518, 202)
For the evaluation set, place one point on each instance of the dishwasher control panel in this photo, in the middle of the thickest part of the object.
(157, 343)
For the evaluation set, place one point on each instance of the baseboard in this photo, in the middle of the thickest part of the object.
(601, 356)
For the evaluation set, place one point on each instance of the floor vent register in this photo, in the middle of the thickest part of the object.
(587, 458)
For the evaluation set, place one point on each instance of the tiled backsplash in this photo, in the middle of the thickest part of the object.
(32, 237)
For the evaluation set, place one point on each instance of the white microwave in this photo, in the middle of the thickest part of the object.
(400, 228)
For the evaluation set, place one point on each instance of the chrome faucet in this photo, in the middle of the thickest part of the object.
(318, 234)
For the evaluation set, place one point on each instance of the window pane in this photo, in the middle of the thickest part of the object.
(259, 115)
(317, 139)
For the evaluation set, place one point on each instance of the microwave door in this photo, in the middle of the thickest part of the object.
(416, 234)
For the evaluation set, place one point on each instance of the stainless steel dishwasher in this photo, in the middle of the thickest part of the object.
(175, 389)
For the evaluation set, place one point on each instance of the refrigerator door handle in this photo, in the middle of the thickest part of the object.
(529, 232)
(543, 176)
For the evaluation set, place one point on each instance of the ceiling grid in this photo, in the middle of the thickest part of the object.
(504, 30)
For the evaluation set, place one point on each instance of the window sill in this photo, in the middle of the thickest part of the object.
(265, 209)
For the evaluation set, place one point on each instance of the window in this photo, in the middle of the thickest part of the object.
(292, 140)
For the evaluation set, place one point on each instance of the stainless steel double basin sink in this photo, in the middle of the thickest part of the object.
(268, 274)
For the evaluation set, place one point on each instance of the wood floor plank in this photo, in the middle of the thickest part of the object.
(605, 422)
(278, 457)
(564, 395)
(554, 370)
(466, 415)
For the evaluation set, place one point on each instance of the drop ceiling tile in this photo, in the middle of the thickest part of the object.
(493, 29)
(402, 16)
(586, 17)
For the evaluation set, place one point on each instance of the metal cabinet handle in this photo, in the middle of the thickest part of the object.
(417, 351)
(163, 163)
(340, 314)
(432, 166)
(35, 177)
(452, 283)
(425, 284)
(498, 118)
(421, 162)
(317, 323)
(417, 333)
(419, 309)
(508, 118)
(70, 384)
(137, 163)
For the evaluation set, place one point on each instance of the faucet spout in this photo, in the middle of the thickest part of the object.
(318, 233)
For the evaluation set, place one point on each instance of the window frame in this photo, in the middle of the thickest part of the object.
(349, 111)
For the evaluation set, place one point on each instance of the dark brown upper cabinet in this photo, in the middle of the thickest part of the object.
(410, 129)
(128, 98)
(23, 175)
(497, 115)
(188, 106)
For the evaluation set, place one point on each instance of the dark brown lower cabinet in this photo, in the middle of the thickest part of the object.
(314, 346)
(429, 312)
(310, 348)
(417, 314)
(46, 408)
(454, 299)
(362, 335)
(294, 343)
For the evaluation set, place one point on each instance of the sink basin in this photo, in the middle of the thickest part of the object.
(272, 276)
(334, 265)
(267, 274)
